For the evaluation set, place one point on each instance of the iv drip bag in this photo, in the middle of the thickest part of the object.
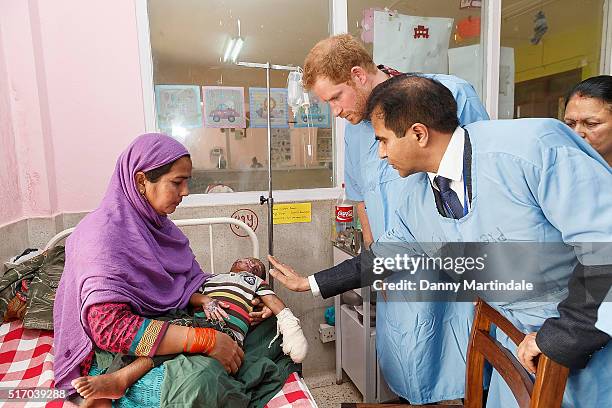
(295, 91)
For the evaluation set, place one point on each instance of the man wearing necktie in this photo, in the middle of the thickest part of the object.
(451, 192)
(514, 181)
(450, 200)
(377, 190)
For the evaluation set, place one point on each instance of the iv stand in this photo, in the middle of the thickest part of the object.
(269, 200)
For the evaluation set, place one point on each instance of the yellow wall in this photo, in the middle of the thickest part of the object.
(565, 51)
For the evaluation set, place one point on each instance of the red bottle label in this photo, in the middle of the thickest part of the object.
(344, 213)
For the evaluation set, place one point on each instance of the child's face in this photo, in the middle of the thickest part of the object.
(251, 265)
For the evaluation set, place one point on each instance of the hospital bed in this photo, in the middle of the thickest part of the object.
(26, 356)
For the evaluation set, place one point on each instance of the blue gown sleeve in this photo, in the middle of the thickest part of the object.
(470, 109)
(574, 195)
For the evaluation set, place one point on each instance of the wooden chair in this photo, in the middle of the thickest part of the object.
(546, 391)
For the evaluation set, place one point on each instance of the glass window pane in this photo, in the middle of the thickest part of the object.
(219, 110)
(435, 37)
(555, 44)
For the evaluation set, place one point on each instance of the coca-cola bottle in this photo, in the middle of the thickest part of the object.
(344, 213)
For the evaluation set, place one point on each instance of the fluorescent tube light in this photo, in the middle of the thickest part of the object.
(237, 48)
(228, 49)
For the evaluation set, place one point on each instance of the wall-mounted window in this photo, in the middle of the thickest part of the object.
(219, 110)
(547, 46)
(556, 44)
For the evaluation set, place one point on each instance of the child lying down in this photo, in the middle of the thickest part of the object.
(227, 300)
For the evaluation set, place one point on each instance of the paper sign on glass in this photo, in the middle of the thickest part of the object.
(258, 104)
(292, 213)
(224, 107)
(178, 106)
(411, 43)
(461, 63)
(319, 114)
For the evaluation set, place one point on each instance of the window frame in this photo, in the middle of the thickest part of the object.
(490, 40)
(605, 65)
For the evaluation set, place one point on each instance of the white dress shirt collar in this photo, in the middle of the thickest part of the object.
(451, 165)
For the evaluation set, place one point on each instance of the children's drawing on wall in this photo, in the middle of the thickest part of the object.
(412, 43)
(280, 148)
(224, 107)
(178, 106)
(258, 104)
(319, 114)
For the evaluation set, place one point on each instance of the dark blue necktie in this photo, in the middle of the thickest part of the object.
(449, 197)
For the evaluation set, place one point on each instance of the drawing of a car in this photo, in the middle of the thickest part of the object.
(314, 113)
(224, 112)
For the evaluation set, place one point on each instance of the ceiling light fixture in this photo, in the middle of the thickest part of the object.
(228, 49)
(233, 47)
(237, 48)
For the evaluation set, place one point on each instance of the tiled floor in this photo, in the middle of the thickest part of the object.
(328, 394)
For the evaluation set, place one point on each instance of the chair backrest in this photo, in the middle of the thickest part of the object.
(549, 384)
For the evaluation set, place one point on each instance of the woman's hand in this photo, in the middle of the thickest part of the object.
(227, 352)
(260, 312)
(288, 277)
(212, 308)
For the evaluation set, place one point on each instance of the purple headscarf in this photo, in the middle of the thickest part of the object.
(122, 252)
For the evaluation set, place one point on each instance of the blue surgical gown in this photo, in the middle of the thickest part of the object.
(533, 180)
(436, 332)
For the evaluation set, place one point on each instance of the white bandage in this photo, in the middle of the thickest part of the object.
(294, 342)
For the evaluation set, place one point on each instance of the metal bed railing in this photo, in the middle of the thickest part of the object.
(188, 223)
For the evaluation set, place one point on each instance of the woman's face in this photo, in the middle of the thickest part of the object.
(591, 118)
(167, 193)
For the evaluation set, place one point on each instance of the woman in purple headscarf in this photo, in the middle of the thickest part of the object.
(126, 263)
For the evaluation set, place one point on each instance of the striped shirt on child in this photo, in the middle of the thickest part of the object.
(237, 289)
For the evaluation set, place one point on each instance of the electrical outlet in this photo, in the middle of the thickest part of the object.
(327, 333)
